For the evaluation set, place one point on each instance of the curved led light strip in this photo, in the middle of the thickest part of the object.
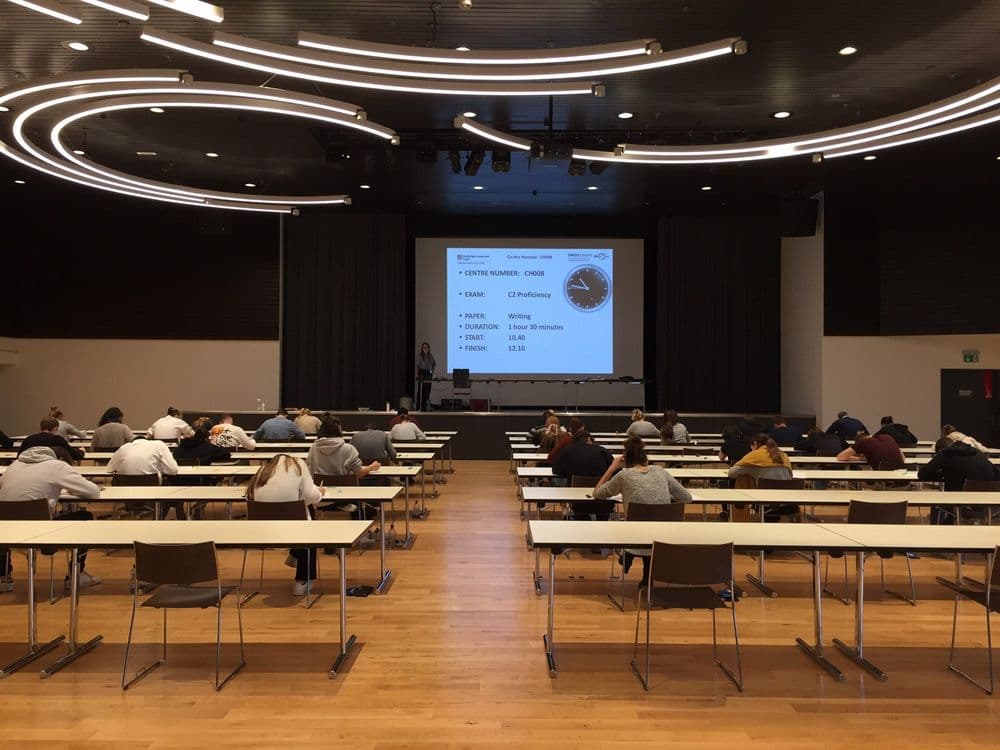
(196, 8)
(50, 8)
(490, 134)
(479, 57)
(380, 83)
(946, 116)
(122, 7)
(143, 89)
(481, 73)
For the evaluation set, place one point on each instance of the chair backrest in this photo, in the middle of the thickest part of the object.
(135, 480)
(765, 483)
(24, 510)
(691, 564)
(336, 480)
(980, 485)
(176, 564)
(583, 480)
(654, 512)
(287, 510)
(868, 511)
(188, 462)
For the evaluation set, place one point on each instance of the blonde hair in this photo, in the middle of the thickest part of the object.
(637, 415)
(265, 472)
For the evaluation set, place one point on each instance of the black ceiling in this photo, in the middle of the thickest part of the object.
(911, 53)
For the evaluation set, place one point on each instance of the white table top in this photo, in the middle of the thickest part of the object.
(120, 534)
(237, 471)
(835, 475)
(230, 494)
(914, 538)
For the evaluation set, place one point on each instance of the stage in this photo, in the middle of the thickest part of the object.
(483, 435)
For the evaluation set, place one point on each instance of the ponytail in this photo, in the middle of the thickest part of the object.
(635, 452)
(637, 415)
(763, 441)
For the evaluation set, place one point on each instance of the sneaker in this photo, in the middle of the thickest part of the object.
(85, 580)
(290, 561)
(349, 508)
(301, 588)
(6, 584)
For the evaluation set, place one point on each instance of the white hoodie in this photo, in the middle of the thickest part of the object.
(38, 474)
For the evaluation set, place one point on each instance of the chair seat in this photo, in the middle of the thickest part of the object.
(187, 597)
(694, 597)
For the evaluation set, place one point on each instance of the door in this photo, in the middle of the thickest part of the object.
(970, 401)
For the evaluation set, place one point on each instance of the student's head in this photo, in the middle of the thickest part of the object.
(304, 412)
(635, 452)
(948, 429)
(114, 414)
(670, 417)
(330, 427)
(202, 427)
(780, 421)
(862, 434)
(368, 426)
(282, 413)
(887, 420)
(546, 414)
(582, 436)
(942, 443)
(637, 415)
(280, 463)
(425, 348)
(401, 412)
(552, 420)
(841, 414)
(49, 424)
(815, 430)
(226, 419)
(404, 417)
(576, 425)
(760, 440)
(55, 412)
(173, 411)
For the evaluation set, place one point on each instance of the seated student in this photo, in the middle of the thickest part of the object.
(735, 443)
(279, 428)
(880, 450)
(200, 447)
(5, 442)
(949, 431)
(673, 432)
(282, 479)
(330, 454)
(898, 432)
(48, 437)
(640, 427)
(308, 423)
(405, 430)
(638, 482)
(170, 427)
(563, 439)
(818, 443)
(846, 427)
(373, 445)
(585, 458)
(112, 433)
(953, 463)
(550, 437)
(765, 459)
(228, 435)
(144, 457)
(783, 433)
(535, 433)
(400, 413)
(65, 428)
(37, 474)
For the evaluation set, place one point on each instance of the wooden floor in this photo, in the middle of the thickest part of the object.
(452, 656)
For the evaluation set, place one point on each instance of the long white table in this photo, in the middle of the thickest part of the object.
(718, 474)
(73, 535)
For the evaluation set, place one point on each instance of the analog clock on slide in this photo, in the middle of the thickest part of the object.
(587, 288)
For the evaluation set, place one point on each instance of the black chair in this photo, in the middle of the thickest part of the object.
(984, 597)
(868, 511)
(291, 510)
(590, 508)
(176, 568)
(138, 480)
(640, 512)
(338, 480)
(979, 485)
(775, 512)
(681, 577)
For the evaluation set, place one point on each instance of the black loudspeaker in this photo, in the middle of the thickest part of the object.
(460, 379)
(798, 217)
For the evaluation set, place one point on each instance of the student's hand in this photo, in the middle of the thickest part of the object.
(617, 463)
(322, 490)
(374, 466)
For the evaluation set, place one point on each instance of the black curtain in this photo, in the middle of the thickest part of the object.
(717, 314)
(345, 324)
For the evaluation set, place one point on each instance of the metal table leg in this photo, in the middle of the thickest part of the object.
(34, 649)
(547, 637)
(857, 652)
(815, 651)
(385, 573)
(759, 580)
(346, 642)
(76, 650)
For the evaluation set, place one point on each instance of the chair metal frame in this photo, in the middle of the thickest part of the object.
(993, 570)
(143, 671)
(279, 511)
(640, 512)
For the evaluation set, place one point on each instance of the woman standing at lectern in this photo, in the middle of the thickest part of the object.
(426, 364)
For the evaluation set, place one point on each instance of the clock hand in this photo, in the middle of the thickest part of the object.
(584, 287)
(577, 286)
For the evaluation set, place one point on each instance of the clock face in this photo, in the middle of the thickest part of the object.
(587, 288)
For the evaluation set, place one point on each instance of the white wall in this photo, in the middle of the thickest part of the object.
(86, 376)
(872, 376)
(802, 322)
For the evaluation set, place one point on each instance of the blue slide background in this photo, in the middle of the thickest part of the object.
(557, 339)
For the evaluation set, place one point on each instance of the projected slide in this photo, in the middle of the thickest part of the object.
(539, 311)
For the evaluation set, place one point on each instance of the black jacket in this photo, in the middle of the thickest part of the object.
(581, 459)
(204, 451)
(898, 432)
(955, 464)
(846, 428)
(820, 444)
(63, 450)
(787, 435)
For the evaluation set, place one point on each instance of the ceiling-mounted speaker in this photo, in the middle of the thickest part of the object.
(798, 217)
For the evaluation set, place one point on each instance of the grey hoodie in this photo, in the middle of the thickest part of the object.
(38, 474)
(333, 456)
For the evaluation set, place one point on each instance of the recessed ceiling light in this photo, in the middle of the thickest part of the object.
(870, 157)
(468, 114)
(847, 49)
(157, 110)
(625, 115)
(145, 153)
(462, 48)
(77, 46)
(20, 182)
(477, 187)
(79, 151)
(592, 187)
(365, 187)
(250, 184)
(706, 187)
(781, 114)
(211, 155)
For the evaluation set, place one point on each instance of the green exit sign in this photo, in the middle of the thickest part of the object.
(970, 356)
